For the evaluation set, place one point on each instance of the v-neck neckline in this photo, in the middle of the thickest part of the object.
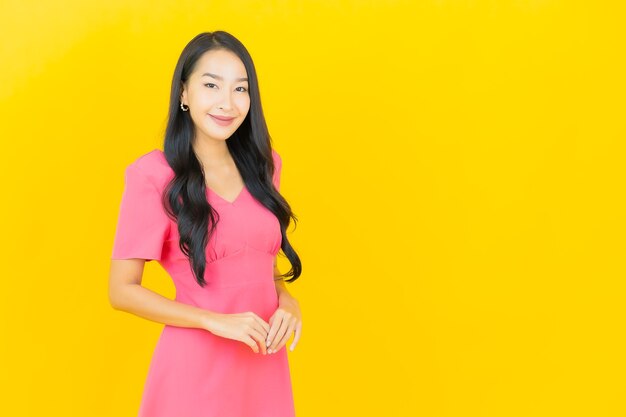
(231, 203)
(243, 190)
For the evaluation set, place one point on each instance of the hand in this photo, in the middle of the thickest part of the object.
(285, 320)
(245, 327)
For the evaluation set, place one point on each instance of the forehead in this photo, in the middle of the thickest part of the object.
(221, 62)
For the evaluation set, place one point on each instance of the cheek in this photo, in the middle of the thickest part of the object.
(204, 100)
(243, 103)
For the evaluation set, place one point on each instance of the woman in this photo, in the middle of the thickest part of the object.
(208, 208)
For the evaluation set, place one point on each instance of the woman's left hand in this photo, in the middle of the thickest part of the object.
(285, 320)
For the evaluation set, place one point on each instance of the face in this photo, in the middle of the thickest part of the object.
(217, 89)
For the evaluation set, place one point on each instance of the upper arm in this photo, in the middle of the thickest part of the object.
(124, 272)
(142, 229)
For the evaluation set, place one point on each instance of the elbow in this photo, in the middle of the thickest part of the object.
(114, 303)
(123, 276)
(115, 299)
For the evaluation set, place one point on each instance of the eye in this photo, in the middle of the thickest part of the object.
(244, 89)
(209, 84)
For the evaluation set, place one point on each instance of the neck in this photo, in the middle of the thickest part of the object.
(212, 152)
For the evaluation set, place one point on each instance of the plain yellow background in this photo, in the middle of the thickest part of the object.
(457, 168)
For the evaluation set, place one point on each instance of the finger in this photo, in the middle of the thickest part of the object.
(274, 329)
(252, 343)
(259, 339)
(260, 321)
(261, 329)
(296, 337)
(280, 334)
(267, 337)
(287, 335)
(256, 324)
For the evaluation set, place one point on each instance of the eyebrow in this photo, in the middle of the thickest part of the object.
(218, 77)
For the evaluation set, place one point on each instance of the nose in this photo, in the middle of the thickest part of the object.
(225, 101)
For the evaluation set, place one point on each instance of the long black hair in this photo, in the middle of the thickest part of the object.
(184, 197)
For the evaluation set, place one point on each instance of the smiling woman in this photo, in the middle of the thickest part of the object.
(209, 210)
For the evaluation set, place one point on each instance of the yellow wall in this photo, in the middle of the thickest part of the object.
(457, 168)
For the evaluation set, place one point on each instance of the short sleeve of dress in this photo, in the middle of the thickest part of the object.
(278, 165)
(142, 225)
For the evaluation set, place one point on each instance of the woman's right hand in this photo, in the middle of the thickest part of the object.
(246, 327)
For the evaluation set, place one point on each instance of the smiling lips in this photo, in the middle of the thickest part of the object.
(221, 120)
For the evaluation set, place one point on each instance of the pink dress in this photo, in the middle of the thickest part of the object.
(194, 373)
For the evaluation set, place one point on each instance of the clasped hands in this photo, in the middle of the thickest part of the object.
(260, 336)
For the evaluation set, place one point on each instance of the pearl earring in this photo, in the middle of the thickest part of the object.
(182, 107)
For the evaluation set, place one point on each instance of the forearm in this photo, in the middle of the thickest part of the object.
(145, 303)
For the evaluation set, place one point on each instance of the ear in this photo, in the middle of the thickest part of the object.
(183, 94)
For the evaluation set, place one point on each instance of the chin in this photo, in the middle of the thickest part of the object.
(219, 134)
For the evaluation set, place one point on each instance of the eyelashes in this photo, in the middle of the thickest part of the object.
(242, 91)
